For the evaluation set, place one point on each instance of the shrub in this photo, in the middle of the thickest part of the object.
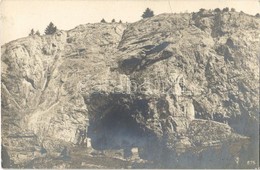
(226, 9)
(69, 40)
(148, 13)
(31, 33)
(103, 21)
(217, 10)
(51, 29)
(38, 33)
(202, 10)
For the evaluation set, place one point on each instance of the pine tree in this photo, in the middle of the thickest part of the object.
(51, 29)
(32, 32)
(148, 13)
(103, 21)
(113, 20)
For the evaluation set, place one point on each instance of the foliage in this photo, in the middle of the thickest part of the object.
(148, 13)
(217, 10)
(103, 21)
(38, 33)
(32, 32)
(202, 10)
(51, 29)
(226, 9)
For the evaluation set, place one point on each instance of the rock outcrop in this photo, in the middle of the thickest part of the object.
(174, 86)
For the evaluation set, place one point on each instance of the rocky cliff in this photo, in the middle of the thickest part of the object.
(179, 87)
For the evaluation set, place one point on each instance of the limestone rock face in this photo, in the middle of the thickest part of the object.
(145, 85)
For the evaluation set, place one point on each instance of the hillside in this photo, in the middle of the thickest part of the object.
(179, 88)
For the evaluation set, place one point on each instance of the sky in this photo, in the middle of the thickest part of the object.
(18, 17)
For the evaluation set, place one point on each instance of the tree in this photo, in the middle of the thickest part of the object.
(257, 15)
(38, 33)
(226, 9)
(113, 20)
(120, 22)
(217, 10)
(233, 10)
(103, 21)
(148, 13)
(202, 10)
(51, 29)
(32, 32)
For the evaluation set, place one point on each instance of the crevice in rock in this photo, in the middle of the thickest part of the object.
(128, 66)
(157, 48)
(4, 87)
(31, 81)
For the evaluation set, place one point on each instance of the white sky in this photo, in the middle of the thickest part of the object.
(18, 17)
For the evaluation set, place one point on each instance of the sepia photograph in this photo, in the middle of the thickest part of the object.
(130, 84)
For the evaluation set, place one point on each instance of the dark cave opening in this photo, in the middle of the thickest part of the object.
(118, 122)
(116, 130)
(113, 124)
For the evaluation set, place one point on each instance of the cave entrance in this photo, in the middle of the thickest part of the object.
(116, 130)
(113, 124)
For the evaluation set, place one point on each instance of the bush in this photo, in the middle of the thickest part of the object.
(69, 40)
(31, 33)
(51, 29)
(38, 33)
(226, 9)
(113, 20)
(103, 21)
(202, 10)
(217, 10)
(148, 13)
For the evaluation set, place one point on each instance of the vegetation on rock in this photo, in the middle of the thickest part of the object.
(148, 13)
(51, 29)
(32, 32)
(103, 20)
